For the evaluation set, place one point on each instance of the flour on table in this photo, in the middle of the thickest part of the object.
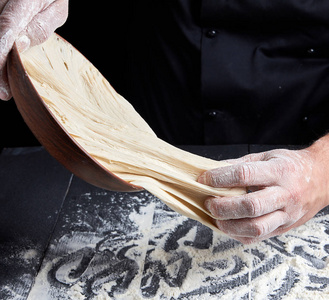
(152, 252)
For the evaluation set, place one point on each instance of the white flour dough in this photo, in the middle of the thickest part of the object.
(111, 131)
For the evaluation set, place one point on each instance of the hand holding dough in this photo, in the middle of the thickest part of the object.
(111, 131)
(28, 23)
(289, 187)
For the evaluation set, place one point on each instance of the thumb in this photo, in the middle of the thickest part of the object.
(245, 174)
(247, 158)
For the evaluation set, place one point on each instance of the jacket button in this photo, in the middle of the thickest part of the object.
(211, 33)
(212, 114)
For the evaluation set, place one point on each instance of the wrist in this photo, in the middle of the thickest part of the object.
(320, 149)
(319, 153)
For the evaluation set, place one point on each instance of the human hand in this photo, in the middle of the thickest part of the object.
(288, 188)
(29, 23)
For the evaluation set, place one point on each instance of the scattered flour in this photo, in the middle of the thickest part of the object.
(154, 253)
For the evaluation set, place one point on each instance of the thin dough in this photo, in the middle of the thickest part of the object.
(111, 131)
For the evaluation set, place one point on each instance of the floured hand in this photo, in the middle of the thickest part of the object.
(29, 22)
(288, 188)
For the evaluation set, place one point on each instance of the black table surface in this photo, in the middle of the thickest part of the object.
(61, 238)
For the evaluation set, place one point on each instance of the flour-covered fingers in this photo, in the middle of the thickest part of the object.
(15, 18)
(255, 228)
(247, 158)
(249, 205)
(43, 25)
(259, 173)
(251, 240)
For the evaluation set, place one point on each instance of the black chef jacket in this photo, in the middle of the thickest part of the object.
(230, 72)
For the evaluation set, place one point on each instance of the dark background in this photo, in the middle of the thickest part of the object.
(99, 32)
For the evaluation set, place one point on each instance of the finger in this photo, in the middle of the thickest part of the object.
(259, 173)
(15, 16)
(251, 240)
(256, 228)
(279, 231)
(249, 205)
(2, 5)
(247, 158)
(43, 25)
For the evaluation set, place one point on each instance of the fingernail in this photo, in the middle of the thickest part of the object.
(23, 43)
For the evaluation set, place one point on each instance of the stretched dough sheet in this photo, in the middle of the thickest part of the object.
(110, 130)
